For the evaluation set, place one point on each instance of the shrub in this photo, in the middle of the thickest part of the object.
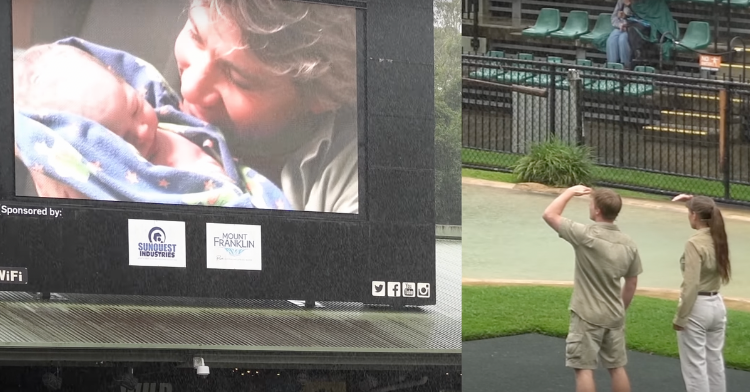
(557, 164)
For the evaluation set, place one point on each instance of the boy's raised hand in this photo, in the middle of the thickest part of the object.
(579, 190)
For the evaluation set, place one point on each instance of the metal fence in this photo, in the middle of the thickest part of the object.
(647, 131)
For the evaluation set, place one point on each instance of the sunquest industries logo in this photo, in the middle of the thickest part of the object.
(156, 247)
(234, 243)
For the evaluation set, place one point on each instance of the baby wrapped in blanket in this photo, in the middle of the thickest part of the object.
(94, 135)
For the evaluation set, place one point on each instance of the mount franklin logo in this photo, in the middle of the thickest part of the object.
(157, 245)
(234, 244)
(233, 247)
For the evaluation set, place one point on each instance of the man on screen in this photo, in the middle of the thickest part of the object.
(604, 255)
(285, 95)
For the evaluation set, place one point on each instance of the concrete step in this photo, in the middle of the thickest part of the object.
(689, 119)
(681, 131)
(702, 102)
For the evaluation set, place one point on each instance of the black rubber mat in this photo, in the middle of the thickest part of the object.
(537, 363)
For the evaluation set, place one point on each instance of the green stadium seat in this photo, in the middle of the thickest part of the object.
(576, 26)
(564, 84)
(641, 88)
(738, 3)
(645, 69)
(605, 86)
(544, 80)
(602, 28)
(485, 73)
(488, 73)
(517, 76)
(547, 22)
(697, 37)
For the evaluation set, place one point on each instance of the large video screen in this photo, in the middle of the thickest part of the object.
(245, 104)
(135, 120)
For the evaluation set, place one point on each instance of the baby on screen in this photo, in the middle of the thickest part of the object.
(67, 79)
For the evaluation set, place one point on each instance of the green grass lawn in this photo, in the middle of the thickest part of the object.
(621, 176)
(495, 311)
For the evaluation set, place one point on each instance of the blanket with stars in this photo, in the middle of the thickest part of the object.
(87, 157)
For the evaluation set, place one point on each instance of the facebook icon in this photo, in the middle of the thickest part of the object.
(394, 289)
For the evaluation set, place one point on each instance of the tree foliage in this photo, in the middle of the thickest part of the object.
(447, 28)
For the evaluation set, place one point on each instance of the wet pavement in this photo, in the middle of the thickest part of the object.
(506, 238)
(537, 363)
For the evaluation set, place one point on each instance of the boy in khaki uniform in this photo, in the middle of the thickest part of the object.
(604, 255)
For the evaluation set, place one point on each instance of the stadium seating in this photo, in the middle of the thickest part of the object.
(543, 80)
(733, 3)
(547, 22)
(576, 26)
(637, 87)
(603, 86)
(738, 3)
(488, 73)
(564, 84)
(518, 76)
(644, 86)
(602, 28)
(697, 37)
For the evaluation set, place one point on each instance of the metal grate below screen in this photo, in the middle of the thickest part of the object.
(120, 322)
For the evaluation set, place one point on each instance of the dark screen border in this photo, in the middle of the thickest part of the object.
(7, 139)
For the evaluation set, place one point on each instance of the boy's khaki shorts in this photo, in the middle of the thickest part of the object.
(586, 343)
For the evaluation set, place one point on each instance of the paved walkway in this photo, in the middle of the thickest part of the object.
(730, 212)
(537, 363)
(506, 240)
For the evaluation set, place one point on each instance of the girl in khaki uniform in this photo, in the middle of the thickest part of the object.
(701, 317)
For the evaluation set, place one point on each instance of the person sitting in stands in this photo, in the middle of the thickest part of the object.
(618, 45)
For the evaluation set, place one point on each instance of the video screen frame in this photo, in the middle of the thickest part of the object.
(9, 183)
(334, 241)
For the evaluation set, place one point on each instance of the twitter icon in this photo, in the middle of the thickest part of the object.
(378, 289)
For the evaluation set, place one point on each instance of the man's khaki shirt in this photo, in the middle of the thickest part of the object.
(604, 255)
